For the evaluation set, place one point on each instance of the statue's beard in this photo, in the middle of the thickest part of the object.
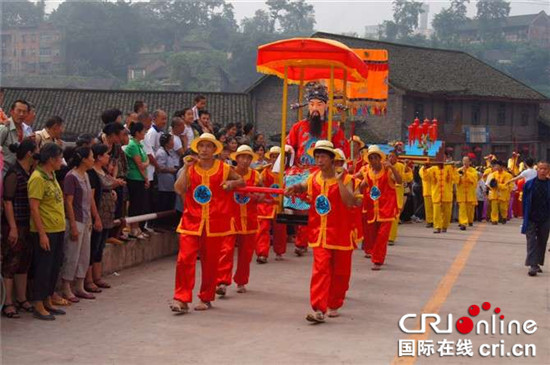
(315, 124)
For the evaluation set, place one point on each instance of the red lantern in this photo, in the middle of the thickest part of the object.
(411, 134)
(425, 127)
(435, 129)
(472, 156)
(478, 149)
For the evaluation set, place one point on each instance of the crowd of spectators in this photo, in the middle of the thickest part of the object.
(63, 201)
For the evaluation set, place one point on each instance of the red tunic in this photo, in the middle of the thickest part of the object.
(300, 139)
(245, 207)
(267, 210)
(379, 197)
(329, 224)
(207, 204)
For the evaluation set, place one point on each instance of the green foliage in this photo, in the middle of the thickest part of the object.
(492, 15)
(99, 34)
(21, 13)
(447, 22)
(196, 71)
(405, 20)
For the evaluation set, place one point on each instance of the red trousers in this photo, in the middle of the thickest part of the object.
(263, 238)
(245, 244)
(209, 248)
(518, 205)
(376, 240)
(330, 278)
(301, 236)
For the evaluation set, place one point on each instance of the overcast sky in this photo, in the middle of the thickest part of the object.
(352, 16)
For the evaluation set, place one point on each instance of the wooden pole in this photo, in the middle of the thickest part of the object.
(283, 132)
(330, 103)
(301, 94)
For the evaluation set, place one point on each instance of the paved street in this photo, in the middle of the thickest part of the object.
(131, 323)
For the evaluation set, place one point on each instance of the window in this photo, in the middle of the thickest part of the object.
(23, 38)
(419, 109)
(45, 66)
(33, 37)
(476, 113)
(524, 116)
(501, 115)
(448, 112)
(6, 67)
(23, 52)
(45, 51)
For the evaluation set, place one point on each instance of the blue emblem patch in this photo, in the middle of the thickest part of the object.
(241, 198)
(322, 205)
(375, 193)
(202, 194)
(274, 186)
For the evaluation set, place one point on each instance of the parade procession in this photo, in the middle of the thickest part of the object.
(169, 233)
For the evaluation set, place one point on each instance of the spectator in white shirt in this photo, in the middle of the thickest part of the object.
(529, 173)
(151, 143)
(200, 104)
(189, 134)
(177, 130)
(29, 120)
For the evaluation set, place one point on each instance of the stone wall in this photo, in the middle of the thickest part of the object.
(137, 252)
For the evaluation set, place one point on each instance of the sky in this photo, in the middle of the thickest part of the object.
(337, 16)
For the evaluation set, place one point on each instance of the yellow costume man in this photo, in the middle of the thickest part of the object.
(443, 177)
(466, 193)
(499, 193)
(513, 164)
(407, 176)
(427, 194)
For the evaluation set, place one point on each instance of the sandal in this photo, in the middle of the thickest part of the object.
(61, 302)
(14, 314)
(102, 284)
(84, 295)
(179, 307)
(92, 289)
(72, 299)
(27, 308)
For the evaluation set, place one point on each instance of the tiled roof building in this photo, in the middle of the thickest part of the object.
(81, 109)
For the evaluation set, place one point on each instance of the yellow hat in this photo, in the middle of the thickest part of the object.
(358, 140)
(207, 137)
(374, 149)
(340, 155)
(274, 150)
(244, 150)
(322, 145)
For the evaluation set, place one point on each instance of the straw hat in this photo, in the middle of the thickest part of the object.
(322, 145)
(340, 155)
(374, 149)
(244, 150)
(274, 150)
(358, 140)
(207, 137)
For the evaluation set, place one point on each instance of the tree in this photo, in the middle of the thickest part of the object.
(405, 20)
(198, 71)
(99, 34)
(491, 15)
(260, 23)
(21, 13)
(447, 22)
(290, 16)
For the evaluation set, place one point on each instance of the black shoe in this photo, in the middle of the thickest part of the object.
(437, 230)
(57, 312)
(539, 270)
(429, 225)
(470, 224)
(462, 228)
(391, 243)
(444, 230)
(494, 223)
(47, 317)
(533, 270)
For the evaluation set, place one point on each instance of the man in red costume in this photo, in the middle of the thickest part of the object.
(302, 137)
(204, 186)
(266, 214)
(246, 210)
(379, 204)
(331, 237)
